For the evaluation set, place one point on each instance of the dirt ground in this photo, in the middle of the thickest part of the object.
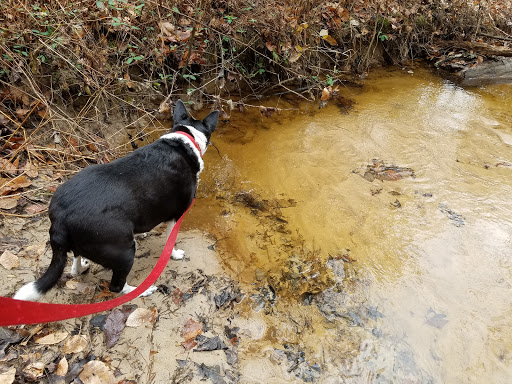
(150, 352)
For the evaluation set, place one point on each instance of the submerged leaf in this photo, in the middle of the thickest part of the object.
(437, 320)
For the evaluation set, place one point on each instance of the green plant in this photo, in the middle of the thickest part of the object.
(230, 18)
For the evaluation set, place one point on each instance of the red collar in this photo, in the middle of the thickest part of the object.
(191, 138)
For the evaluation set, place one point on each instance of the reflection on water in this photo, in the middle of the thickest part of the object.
(432, 253)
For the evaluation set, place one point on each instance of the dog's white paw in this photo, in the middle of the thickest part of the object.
(128, 288)
(84, 265)
(80, 265)
(178, 254)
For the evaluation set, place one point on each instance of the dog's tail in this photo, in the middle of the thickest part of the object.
(34, 290)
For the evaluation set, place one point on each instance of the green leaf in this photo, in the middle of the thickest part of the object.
(100, 4)
(138, 57)
(129, 61)
(175, 9)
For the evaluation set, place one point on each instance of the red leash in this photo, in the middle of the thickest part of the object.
(15, 312)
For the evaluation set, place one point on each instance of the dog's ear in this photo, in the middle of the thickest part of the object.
(180, 113)
(211, 121)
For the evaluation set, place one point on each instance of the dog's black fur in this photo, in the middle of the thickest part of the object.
(97, 212)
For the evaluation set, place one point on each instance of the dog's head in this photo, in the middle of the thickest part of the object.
(182, 118)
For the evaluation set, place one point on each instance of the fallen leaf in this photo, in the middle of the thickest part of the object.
(188, 344)
(141, 316)
(331, 40)
(167, 29)
(34, 209)
(191, 329)
(9, 260)
(129, 83)
(325, 94)
(164, 108)
(43, 113)
(63, 367)
(22, 112)
(177, 297)
(115, 323)
(31, 170)
(211, 344)
(75, 344)
(437, 320)
(97, 372)
(8, 202)
(52, 338)
(34, 371)
(8, 185)
(7, 377)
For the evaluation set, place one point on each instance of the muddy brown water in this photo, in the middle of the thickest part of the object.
(429, 256)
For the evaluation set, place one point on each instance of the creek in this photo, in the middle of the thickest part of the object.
(384, 230)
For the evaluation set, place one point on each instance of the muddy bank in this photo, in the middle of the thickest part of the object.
(199, 326)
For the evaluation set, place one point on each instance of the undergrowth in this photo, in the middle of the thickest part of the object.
(70, 69)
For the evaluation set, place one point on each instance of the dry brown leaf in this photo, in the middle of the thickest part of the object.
(9, 260)
(7, 377)
(75, 344)
(34, 371)
(97, 372)
(164, 108)
(141, 316)
(191, 329)
(331, 40)
(325, 94)
(62, 368)
(22, 112)
(44, 113)
(184, 35)
(8, 202)
(167, 29)
(52, 338)
(7, 167)
(35, 208)
(79, 31)
(296, 54)
(9, 185)
(31, 170)
(188, 344)
(129, 83)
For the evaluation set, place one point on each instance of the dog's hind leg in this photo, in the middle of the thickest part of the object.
(120, 273)
(80, 265)
(34, 290)
(177, 254)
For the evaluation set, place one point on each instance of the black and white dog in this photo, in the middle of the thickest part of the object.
(97, 212)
